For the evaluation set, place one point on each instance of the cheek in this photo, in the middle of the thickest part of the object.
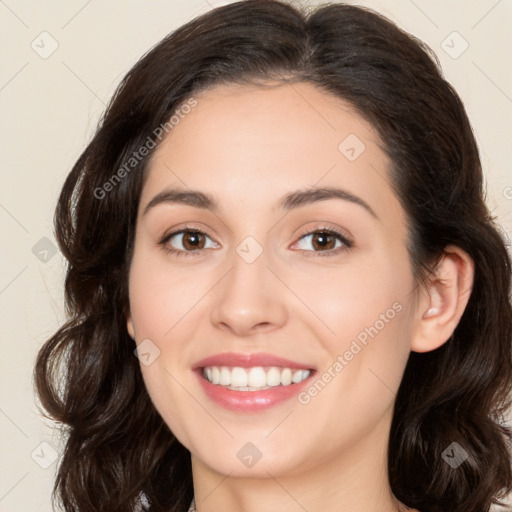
(365, 333)
(170, 400)
(162, 298)
(357, 301)
(162, 308)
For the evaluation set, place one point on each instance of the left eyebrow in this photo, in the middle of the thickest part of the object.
(290, 201)
(303, 197)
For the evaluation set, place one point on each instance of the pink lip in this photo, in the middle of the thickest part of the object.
(247, 360)
(249, 401)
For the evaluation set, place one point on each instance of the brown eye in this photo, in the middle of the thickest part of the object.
(193, 240)
(324, 241)
(186, 242)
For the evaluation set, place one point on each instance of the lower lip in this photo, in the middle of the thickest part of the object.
(250, 401)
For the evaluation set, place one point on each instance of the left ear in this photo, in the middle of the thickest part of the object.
(444, 301)
(129, 326)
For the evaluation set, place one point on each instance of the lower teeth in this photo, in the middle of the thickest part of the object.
(247, 388)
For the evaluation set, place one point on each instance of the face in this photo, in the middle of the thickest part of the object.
(276, 315)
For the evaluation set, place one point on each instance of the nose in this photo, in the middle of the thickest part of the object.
(250, 298)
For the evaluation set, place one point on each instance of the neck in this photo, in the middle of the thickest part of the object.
(355, 480)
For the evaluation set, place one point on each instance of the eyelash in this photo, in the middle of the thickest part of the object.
(320, 230)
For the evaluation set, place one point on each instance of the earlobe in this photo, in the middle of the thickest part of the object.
(444, 300)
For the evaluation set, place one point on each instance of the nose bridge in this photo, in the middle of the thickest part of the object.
(249, 297)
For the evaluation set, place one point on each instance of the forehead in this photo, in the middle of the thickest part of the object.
(258, 143)
(239, 118)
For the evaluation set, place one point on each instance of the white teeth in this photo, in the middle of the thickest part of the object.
(273, 377)
(225, 376)
(239, 378)
(286, 377)
(257, 377)
(253, 379)
(297, 376)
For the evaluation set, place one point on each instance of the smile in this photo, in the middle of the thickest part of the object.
(250, 383)
(257, 378)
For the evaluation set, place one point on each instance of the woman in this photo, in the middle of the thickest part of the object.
(281, 215)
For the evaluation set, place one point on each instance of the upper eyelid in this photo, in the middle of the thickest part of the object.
(346, 240)
(184, 230)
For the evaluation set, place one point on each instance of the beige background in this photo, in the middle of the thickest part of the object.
(49, 108)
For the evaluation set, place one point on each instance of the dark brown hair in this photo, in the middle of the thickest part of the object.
(87, 377)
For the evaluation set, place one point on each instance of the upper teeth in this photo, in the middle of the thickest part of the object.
(256, 378)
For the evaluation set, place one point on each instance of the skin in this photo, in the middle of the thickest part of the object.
(248, 146)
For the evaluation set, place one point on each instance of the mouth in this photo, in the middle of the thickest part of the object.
(251, 382)
(257, 378)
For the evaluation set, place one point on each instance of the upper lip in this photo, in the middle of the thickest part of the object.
(249, 360)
